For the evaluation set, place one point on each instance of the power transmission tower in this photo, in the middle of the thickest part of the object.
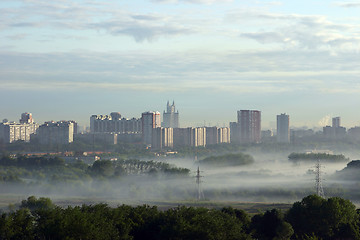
(200, 193)
(318, 180)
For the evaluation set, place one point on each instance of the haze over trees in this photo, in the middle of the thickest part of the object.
(297, 157)
(350, 172)
(235, 159)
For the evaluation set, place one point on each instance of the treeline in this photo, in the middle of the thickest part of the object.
(55, 169)
(23, 161)
(315, 156)
(312, 218)
(236, 159)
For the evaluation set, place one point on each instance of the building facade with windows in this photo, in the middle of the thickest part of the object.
(149, 121)
(12, 131)
(250, 126)
(52, 133)
(283, 128)
(114, 123)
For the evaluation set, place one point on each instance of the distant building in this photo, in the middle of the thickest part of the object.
(150, 120)
(267, 135)
(216, 135)
(170, 117)
(129, 137)
(234, 132)
(354, 133)
(113, 123)
(336, 131)
(336, 122)
(162, 138)
(95, 138)
(51, 133)
(75, 126)
(250, 126)
(11, 131)
(224, 135)
(193, 137)
(26, 118)
(283, 128)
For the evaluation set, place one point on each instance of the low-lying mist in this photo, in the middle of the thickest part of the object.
(270, 178)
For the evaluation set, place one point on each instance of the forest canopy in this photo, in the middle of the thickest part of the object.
(312, 218)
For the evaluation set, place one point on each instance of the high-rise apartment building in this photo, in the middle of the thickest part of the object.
(150, 120)
(223, 135)
(336, 131)
(283, 128)
(234, 132)
(61, 132)
(250, 126)
(336, 122)
(216, 135)
(162, 138)
(113, 123)
(11, 131)
(190, 136)
(170, 117)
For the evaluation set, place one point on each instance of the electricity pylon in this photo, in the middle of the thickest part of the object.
(200, 193)
(318, 180)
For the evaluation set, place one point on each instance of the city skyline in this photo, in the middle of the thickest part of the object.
(69, 60)
(325, 121)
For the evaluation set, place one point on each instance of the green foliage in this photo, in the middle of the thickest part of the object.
(228, 160)
(271, 225)
(33, 203)
(103, 168)
(124, 222)
(327, 219)
(135, 166)
(31, 162)
(295, 157)
(312, 218)
(54, 170)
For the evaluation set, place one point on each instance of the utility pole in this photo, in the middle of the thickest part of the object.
(318, 180)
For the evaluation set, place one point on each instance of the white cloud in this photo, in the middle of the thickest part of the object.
(245, 72)
(294, 30)
(349, 4)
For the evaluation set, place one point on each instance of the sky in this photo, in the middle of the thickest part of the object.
(70, 59)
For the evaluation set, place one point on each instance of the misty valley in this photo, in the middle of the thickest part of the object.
(227, 173)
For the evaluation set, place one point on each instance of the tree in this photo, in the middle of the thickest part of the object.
(271, 225)
(20, 225)
(324, 218)
(103, 168)
(33, 203)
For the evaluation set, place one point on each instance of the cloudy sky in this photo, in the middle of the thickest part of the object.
(69, 59)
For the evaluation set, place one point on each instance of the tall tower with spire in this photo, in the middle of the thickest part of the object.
(170, 116)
